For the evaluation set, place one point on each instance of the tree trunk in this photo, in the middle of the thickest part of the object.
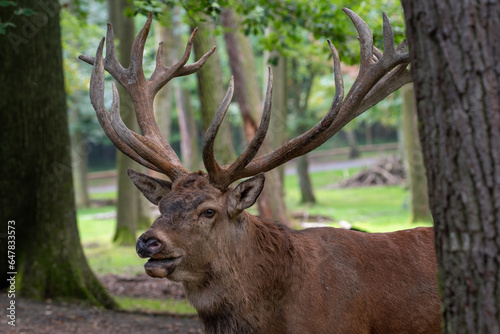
(350, 135)
(36, 182)
(455, 48)
(79, 156)
(190, 151)
(368, 134)
(163, 99)
(247, 94)
(211, 90)
(127, 210)
(306, 189)
(414, 161)
(274, 187)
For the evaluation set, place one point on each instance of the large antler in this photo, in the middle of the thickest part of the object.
(380, 74)
(149, 149)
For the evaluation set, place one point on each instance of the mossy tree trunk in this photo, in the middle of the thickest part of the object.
(127, 209)
(455, 51)
(36, 182)
(211, 89)
(414, 160)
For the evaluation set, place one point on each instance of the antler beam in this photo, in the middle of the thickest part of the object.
(149, 149)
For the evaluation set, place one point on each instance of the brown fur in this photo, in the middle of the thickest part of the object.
(250, 275)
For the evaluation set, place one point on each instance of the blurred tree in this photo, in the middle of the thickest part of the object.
(128, 196)
(190, 152)
(36, 183)
(211, 87)
(302, 78)
(77, 37)
(455, 48)
(414, 161)
(247, 94)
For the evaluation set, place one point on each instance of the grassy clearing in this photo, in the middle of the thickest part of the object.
(375, 209)
(181, 307)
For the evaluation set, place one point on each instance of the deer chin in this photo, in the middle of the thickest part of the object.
(161, 268)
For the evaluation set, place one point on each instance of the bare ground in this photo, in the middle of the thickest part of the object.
(50, 317)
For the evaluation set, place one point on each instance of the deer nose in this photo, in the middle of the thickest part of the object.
(148, 247)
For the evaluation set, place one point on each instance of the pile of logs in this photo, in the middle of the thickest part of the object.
(385, 171)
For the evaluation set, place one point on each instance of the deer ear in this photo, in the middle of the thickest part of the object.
(244, 195)
(152, 188)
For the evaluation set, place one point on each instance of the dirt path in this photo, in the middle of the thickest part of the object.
(44, 318)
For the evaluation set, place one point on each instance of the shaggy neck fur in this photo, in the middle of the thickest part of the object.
(247, 284)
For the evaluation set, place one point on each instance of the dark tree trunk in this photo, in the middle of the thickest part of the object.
(414, 161)
(36, 182)
(455, 50)
(127, 209)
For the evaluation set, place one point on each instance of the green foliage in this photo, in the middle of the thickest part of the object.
(80, 37)
(16, 11)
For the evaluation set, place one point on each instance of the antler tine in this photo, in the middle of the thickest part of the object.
(97, 100)
(137, 51)
(389, 50)
(380, 74)
(296, 147)
(254, 146)
(365, 38)
(213, 169)
(137, 142)
(163, 74)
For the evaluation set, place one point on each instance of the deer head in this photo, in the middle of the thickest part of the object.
(200, 213)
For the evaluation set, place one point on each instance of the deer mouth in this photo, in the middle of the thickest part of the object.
(161, 268)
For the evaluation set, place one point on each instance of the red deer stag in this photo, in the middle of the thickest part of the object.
(245, 274)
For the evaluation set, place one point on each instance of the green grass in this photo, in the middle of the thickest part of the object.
(375, 209)
(181, 307)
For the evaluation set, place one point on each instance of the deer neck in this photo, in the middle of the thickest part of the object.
(255, 266)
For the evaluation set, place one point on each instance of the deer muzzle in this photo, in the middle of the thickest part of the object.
(149, 247)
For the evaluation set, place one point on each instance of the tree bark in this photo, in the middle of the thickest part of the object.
(455, 48)
(413, 158)
(211, 90)
(127, 210)
(36, 182)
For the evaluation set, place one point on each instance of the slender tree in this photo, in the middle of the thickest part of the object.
(247, 94)
(128, 197)
(211, 87)
(36, 183)
(455, 48)
(414, 160)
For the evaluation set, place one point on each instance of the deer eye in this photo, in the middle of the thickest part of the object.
(209, 213)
